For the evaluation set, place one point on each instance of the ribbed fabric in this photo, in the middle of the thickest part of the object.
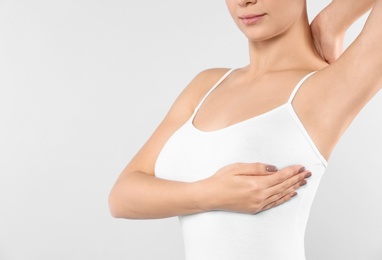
(276, 137)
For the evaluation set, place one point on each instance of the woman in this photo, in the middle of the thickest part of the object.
(207, 162)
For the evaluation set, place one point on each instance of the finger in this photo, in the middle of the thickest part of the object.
(255, 169)
(277, 194)
(284, 174)
(280, 201)
(287, 184)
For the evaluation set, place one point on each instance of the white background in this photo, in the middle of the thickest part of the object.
(83, 84)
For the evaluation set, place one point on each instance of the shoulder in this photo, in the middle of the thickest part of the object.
(204, 81)
(180, 111)
(198, 87)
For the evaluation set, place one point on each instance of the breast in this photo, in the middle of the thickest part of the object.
(191, 155)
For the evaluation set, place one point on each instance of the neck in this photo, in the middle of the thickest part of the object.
(292, 49)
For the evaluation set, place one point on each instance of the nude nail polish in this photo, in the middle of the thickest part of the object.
(271, 168)
(308, 175)
(301, 169)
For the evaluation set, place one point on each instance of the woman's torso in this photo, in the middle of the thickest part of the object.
(277, 137)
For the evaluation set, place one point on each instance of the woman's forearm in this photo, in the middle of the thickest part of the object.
(138, 195)
(239, 187)
(343, 13)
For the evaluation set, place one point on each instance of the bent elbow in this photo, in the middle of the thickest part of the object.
(115, 208)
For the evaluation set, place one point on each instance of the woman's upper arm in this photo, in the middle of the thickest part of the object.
(335, 94)
(179, 113)
(356, 76)
(359, 69)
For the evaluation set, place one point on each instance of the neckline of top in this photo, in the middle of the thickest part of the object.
(245, 121)
(287, 104)
(290, 99)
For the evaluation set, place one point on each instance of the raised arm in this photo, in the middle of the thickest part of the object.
(339, 91)
(344, 13)
(357, 74)
(330, 25)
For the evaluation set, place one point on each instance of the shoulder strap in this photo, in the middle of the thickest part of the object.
(299, 84)
(216, 84)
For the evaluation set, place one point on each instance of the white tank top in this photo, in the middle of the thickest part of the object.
(275, 137)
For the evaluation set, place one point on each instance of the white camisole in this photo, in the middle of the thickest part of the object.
(275, 137)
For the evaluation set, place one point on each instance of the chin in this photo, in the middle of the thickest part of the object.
(264, 36)
(259, 37)
(258, 34)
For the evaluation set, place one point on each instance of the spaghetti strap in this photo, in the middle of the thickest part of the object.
(299, 84)
(216, 84)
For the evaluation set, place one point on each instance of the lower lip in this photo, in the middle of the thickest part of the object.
(253, 20)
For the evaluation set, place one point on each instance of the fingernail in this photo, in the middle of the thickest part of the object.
(301, 169)
(308, 175)
(294, 194)
(271, 168)
(303, 183)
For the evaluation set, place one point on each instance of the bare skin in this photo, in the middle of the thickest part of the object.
(330, 25)
(282, 51)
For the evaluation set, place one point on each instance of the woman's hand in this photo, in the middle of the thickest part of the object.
(250, 188)
(328, 37)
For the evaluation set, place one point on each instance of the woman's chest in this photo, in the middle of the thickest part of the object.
(191, 154)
